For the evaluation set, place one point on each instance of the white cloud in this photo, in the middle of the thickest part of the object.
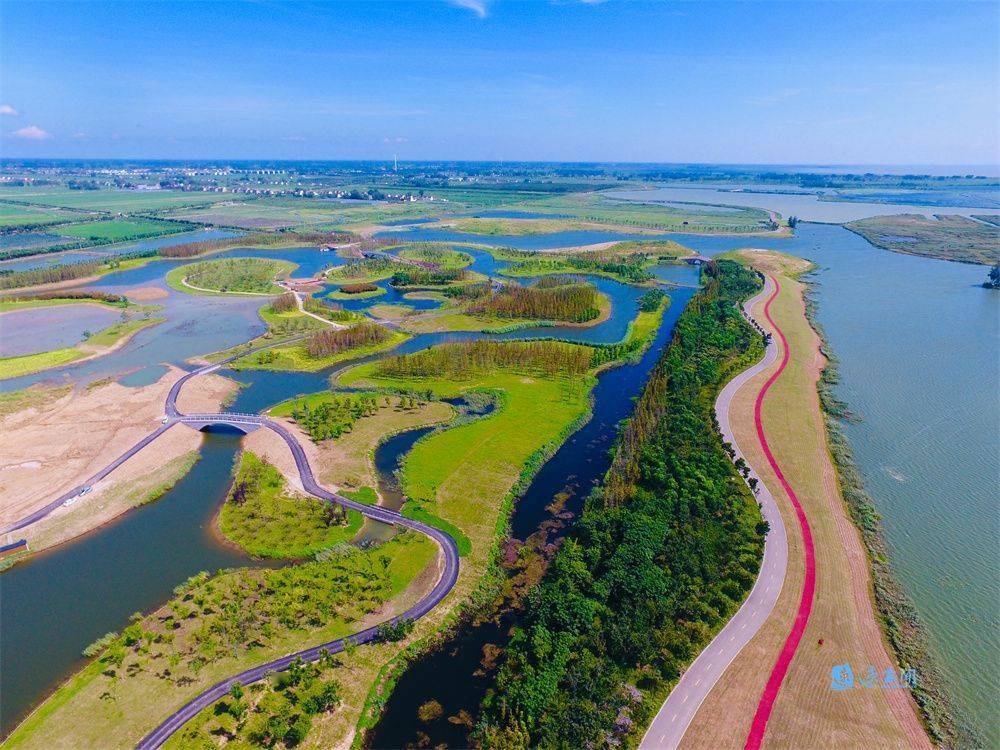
(397, 139)
(294, 138)
(32, 133)
(6, 109)
(480, 7)
(80, 136)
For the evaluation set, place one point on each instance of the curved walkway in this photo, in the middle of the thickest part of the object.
(444, 584)
(677, 712)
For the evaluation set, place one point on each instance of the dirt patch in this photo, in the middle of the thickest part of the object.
(146, 293)
(52, 447)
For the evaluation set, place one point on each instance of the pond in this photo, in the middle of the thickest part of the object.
(40, 329)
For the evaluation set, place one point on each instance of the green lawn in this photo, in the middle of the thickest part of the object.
(439, 255)
(464, 476)
(264, 520)
(111, 201)
(337, 294)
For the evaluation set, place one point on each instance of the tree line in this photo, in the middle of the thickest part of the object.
(556, 298)
(329, 342)
(473, 357)
(660, 559)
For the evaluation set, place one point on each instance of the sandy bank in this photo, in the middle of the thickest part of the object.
(49, 448)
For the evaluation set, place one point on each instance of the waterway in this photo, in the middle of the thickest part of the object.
(135, 562)
(916, 339)
(64, 599)
(449, 674)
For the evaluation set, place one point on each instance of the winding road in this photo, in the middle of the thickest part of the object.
(675, 715)
(247, 422)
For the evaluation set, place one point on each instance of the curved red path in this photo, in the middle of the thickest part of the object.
(780, 669)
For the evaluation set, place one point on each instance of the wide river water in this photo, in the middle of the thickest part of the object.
(916, 340)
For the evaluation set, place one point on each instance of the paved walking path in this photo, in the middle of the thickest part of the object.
(671, 722)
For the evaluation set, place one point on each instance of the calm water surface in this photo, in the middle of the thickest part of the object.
(40, 329)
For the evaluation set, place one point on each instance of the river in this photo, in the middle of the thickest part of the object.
(916, 339)
(134, 562)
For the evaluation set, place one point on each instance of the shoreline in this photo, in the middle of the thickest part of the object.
(905, 634)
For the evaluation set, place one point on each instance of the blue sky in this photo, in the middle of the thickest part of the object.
(838, 82)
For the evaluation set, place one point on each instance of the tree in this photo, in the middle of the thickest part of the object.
(994, 280)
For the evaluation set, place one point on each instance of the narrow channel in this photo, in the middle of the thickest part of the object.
(452, 674)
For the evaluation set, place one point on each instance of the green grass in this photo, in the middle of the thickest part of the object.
(28, 364)
(116, 230)
(230, 276)
(13, 216)
(325, 415)
(114, 333)
(459, 479)
(261, 517)
(367, 270)
(295, 357)
(111, 201)
(442, 256)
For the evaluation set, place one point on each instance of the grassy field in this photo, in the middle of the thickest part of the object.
(230, 276)
(843, 626)
(597, 208)
(110, 201)
(462, 475)
(357, 271)
(947, 237)
(213, 627)
(337, 294)
(13, 216)
(262, 518)
(441, 256)
(100, 343)
(118, 230)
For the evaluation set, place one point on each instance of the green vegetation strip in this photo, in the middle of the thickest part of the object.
(660, 559)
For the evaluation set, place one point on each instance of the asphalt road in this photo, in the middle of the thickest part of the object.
(675, 715)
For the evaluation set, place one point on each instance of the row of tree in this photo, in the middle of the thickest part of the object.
(659, 560)
(572, 302)
(328, 342)
(472, 357)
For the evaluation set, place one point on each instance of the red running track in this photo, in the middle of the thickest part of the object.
(780, 669)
